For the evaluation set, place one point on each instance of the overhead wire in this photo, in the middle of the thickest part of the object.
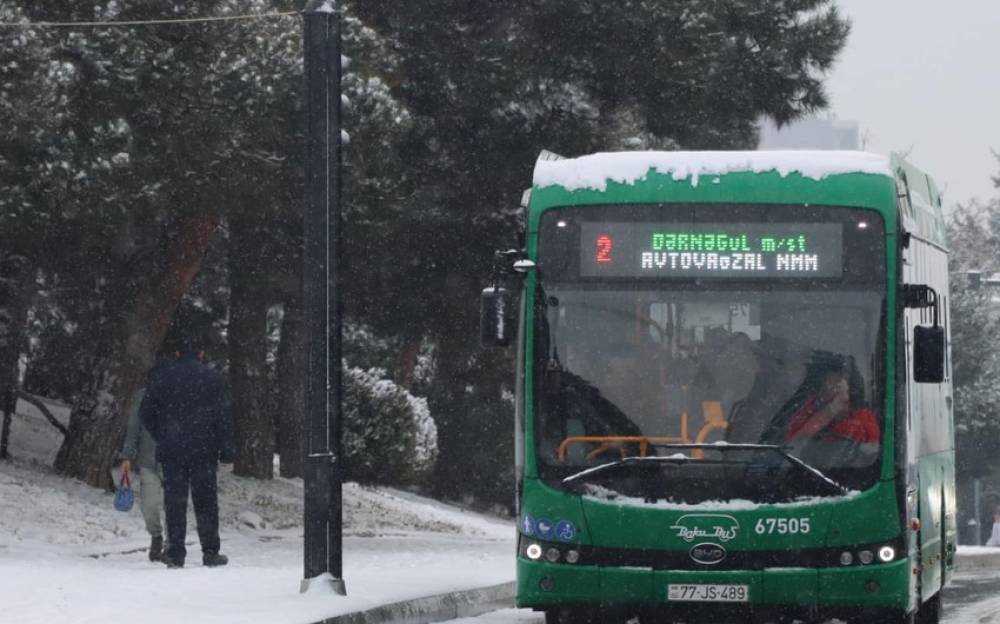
(148, 22)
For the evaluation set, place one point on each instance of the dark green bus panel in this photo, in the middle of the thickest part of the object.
(717, 408)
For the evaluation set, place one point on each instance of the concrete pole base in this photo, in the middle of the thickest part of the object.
(324, 580)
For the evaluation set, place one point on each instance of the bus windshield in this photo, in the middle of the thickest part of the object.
(672, 369)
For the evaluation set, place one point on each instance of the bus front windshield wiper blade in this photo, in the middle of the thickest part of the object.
(802, 466)
(627, 462)
(816, 472)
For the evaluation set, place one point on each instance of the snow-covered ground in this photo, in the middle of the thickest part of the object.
(986, 611)
(67, 556)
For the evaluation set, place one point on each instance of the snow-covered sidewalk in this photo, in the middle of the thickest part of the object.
(54, 566)
(67, 556)
(260, 585)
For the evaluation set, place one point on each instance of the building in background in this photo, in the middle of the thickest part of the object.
(811, 133)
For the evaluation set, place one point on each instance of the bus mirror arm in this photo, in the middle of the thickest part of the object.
(921, 296)
(497, 314)
(510, 262)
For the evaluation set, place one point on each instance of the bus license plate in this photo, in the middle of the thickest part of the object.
(707, 593)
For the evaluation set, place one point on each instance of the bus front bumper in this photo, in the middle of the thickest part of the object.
(544, 585)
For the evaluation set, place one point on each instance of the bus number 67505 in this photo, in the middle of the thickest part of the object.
(782, 526)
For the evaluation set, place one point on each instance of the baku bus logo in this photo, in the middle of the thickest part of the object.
(719, 527)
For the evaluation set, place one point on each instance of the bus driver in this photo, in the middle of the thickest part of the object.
(833, 412)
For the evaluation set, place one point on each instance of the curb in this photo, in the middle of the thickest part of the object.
(974, 562)
(451, 605)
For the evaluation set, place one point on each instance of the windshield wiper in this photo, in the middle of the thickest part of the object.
(628, 461)
(807, 468)
(636, 461)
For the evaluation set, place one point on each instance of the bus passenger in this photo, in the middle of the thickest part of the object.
(632, 381)
(834, 412)
(726, 373)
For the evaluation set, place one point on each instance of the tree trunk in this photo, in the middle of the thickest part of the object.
(458, 432)
(456, 435)
(291, 388)
(474, 423)
(252, 426)
(97, 422)
(407, 361)
(16, 288)
(43, 409)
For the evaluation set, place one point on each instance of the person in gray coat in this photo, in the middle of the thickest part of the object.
(140, 453)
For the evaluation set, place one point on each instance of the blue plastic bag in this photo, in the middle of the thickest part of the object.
(124, 497)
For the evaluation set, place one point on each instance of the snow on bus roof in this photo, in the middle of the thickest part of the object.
(596, 170)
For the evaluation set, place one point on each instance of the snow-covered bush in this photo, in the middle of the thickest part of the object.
(389, 435)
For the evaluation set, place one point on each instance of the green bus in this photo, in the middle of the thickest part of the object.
(733, 388)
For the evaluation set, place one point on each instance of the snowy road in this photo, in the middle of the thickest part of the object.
(969, 600)
(973, 599)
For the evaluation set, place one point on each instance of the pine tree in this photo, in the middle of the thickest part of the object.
(487, 87)
(973, 237)
(162, 133)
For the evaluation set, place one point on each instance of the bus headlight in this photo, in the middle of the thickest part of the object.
(866, 557)
(552, 555)
(846, 558)
(572, 556)
(886, 554)
(534, 552)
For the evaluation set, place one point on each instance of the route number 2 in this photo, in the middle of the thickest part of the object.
(604, 246)
(782, 526)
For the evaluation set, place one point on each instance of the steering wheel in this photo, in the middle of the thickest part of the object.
(842, 451)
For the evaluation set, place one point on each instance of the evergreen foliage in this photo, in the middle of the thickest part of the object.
(389, 435)
(974, 240)
(116, 142)
(486, 88)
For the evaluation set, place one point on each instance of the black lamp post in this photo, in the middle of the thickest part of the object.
(321, 294)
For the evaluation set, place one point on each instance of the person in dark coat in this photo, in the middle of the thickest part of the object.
(186, 410)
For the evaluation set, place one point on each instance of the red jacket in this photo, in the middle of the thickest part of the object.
(861, 425)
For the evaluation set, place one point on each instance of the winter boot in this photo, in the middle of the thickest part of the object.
(156, 548)
(213, 560)
(171, 563)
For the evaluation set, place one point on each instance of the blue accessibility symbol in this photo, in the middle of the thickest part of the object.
(545, 528)
(528, 525)
(565, 530)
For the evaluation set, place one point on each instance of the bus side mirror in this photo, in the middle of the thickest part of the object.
(496, 317)
(928, 342)
(928, 354)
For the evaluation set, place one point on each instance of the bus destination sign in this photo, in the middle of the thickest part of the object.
(716, 250)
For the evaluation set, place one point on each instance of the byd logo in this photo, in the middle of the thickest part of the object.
(718, 527)
(708, 554)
